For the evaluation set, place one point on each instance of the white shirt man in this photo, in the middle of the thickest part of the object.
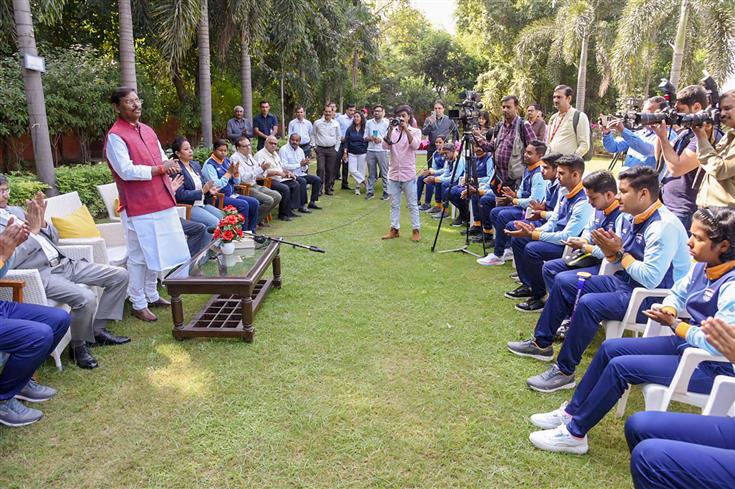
(377, 157)
(301, 126)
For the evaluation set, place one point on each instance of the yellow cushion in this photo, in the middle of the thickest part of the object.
(78, 224)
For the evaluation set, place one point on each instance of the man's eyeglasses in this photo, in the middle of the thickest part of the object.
(133, 103)
(4, 191)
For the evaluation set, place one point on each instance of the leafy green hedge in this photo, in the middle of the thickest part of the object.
(23, 186)
(83, 179)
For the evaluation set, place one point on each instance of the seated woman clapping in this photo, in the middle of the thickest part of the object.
(225, 176)
(708, 290)
(196, 190)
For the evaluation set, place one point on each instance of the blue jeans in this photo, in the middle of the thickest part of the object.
(28, 333)
(529, 259)
(208, 215)
(635, 361)
(678, 450)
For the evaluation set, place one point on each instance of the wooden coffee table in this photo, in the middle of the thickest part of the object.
(237, 284)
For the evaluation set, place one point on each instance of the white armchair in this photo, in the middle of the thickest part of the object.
(110, 249)
(35, 293)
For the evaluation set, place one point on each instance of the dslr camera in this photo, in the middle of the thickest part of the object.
(395, 121)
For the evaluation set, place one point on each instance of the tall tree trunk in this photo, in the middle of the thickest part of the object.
(205, 80)
(127, 46)
(179, 85)
(582, 73)
(246, 75)
(679, 44)
(283, 105)
(34, 96)
(355, 60)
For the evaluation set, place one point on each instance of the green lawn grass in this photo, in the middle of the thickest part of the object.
(378, 364)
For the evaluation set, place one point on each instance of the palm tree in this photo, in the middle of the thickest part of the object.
(34, 95)
(205, 81)
(647, 26)
(127, 47)
(178, 21)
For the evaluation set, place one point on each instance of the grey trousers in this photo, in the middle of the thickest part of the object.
(63, 287)
(377, 160)
(268, 198)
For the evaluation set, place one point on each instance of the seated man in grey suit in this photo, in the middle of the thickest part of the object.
(61, 277)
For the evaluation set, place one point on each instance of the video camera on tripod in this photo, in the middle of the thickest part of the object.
(468, 110)
(669, 114)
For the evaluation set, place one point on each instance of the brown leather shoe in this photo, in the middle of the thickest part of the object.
(144, 315)
(393, 233)
(416, 235)
(161, 302)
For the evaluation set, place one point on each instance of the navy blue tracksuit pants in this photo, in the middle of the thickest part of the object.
(604, 297)
(529, 258)
(461, 204)
(553, 268)
(623, 361)
(28, 333)
(681, 451)
(501, 217)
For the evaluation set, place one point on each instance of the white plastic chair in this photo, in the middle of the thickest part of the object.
(721, 401)
(35, 293)
(108, 249)
(108, 192)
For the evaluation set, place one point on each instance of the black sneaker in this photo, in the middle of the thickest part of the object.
(531, 305)
(474, 230)
(385, 196)
(424, 207)
(369, 196)
(520, 292)
(529, 348)
(489, 240)
(458, 222)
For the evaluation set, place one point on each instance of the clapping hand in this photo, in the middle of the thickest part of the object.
(13, 235)
(171, 167)
(35, 210)
(720, 335)
(177, 182)
(523, 230)
(575, 243)
(661, 316)
(234, 170)
(508, 192)
(207, 187)
(609, 242)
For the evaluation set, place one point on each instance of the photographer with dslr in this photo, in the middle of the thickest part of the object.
(718, 162)
(438, 124)
(638, 144)
(511, 136)
(679, 180)
(402, 140)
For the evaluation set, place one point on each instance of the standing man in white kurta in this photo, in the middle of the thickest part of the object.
(153, 230)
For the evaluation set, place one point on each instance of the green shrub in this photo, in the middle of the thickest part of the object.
(82, 179)
(23, 186)
(202, 154)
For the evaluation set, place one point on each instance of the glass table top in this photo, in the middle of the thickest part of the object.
(213, 264)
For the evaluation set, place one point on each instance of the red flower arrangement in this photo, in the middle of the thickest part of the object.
(230, 226)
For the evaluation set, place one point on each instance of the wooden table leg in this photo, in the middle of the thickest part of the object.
(277, 269)
(246, 306)
(177, 311)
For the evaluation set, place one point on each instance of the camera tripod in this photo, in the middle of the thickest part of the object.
(471, 180)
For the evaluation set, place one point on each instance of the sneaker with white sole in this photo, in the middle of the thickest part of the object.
(507, 254)
(490, 260)
(559, 440)
(15, 413)
(552, 419)
(529, 348)
(552, 380)
(35, 392)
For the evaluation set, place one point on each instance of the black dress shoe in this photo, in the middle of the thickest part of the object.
(82, 357)
(346, 187)
(105, 337)
(304, 210)
(294, 215)
(313, 205)
(286, 218)
(329, 192)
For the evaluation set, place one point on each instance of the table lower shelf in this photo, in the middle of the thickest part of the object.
(222, 316)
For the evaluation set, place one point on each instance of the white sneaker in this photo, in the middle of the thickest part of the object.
(552, 419)
(508, 254)
(490, 260)
(559, 440)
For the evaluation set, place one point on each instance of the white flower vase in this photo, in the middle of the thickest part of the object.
(228, 248)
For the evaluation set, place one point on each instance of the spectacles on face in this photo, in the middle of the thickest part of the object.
(133, 102)
(4, 191)
(245, 145)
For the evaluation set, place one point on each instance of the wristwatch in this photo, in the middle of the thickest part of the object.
(619, 256)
